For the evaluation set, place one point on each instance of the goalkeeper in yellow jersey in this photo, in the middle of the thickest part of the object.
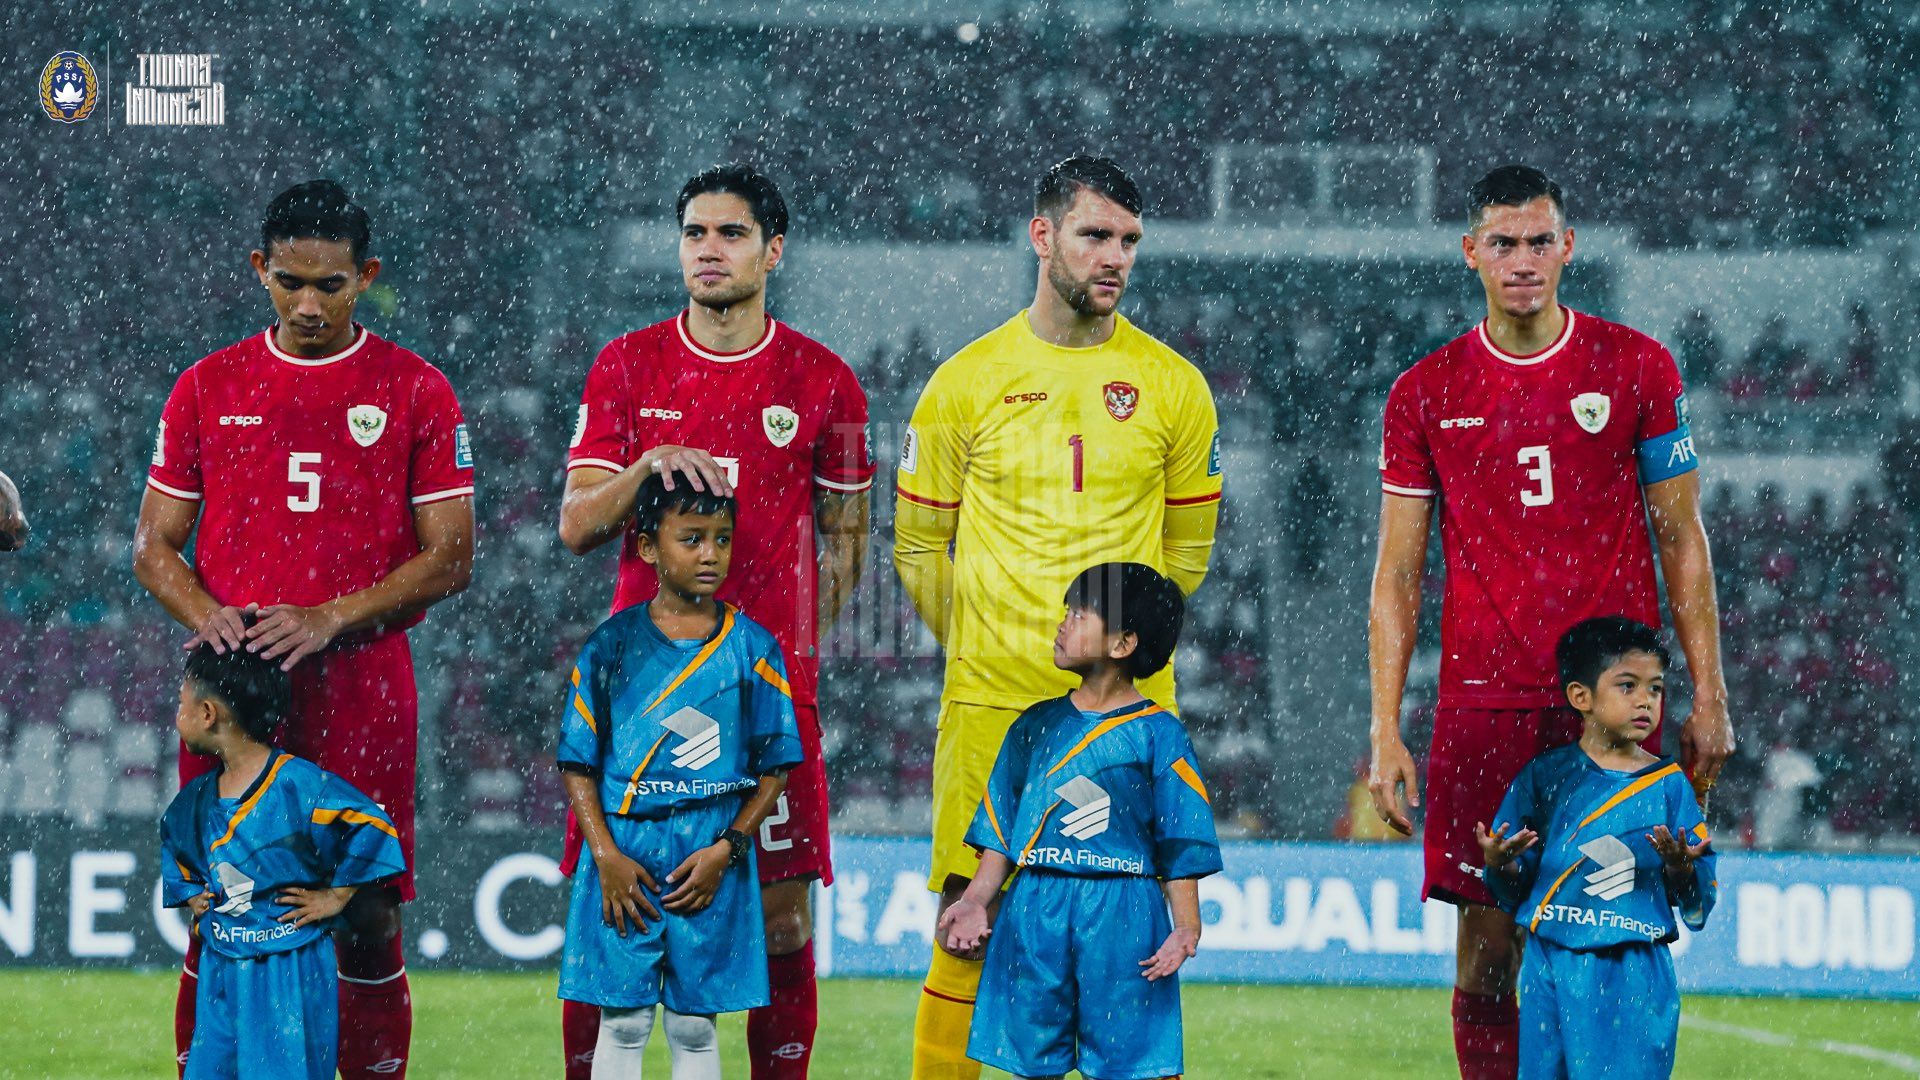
(1064, 438)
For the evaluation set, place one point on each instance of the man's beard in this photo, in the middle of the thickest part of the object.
(724, 296)
(1076, 294)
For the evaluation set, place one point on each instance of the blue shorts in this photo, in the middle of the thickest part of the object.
(1062, 988)
(273, 1015)
(1612, 1013)
(712, 961)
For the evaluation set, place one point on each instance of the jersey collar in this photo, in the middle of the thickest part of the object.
(360, 337)
(1541, 357)
(704, 353)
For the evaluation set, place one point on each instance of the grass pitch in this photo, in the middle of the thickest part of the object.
(105, 1025)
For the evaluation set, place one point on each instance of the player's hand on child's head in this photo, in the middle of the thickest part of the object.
(1181, 944)
(1676, 853)
(223, 628)
(624, 885)
(293, 632)
(1391, 770)
(1498, 849)
(314, 905)
(696, 467)
(964, 929)
(697, 878)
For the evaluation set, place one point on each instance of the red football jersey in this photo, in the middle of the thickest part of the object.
(1537, 463)
(783, 418)
(309, 469)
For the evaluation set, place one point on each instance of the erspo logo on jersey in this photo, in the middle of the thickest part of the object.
(69, 89)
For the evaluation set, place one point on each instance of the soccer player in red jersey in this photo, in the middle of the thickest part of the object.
(1547, 438)
(725, 398)
(331, 481)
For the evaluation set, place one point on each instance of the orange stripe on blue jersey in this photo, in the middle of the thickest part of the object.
(705, 654)
(765, 671)
(633, 785)
(354, 817)
(252, 801)
(993, 819)
(1185, 771)
(1628, 792)
(1021, 860)
(1554, 888)
(1111, 722)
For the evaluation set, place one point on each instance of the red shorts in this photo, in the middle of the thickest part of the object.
(355, 714)
(793, 840)
(1476, 754)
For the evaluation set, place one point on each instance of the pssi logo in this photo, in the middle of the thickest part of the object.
(69, 89)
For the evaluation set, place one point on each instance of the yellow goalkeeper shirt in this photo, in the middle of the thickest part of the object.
(1035, 461)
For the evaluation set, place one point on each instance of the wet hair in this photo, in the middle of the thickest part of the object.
(318, 209)
(763, 199)
(1594, 645)
(255, 692)
(1064, 181)
(654, 502)
(1512, 185)
(1133, 598)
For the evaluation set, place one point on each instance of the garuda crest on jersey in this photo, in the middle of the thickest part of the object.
(1590, 412)
(1122, 399)
(781, 424)
(366, 423)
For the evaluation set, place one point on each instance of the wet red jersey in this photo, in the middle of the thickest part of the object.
(785, 418)
(1537, 463)
(308, 470)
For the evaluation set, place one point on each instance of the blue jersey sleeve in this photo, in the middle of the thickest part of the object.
(1694, 897)
(773, 735)
(992, 826)
(1184, 842)
(1520, 809)
(354, 840)
(183, 872)
(583, 726)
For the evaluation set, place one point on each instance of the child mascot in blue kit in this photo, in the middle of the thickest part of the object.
(1096, 809)
(1593, 848)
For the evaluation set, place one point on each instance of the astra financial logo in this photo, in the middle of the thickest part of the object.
(1092, 808)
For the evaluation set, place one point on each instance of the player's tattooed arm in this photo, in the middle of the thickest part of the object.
(1183, 900)
(964, 929)
(624, 884)
(13, 518)
(844, 519)
(444, 566)
(1392, 625)
(1686, 565)
(306, 906)
(598, 502)
(698, 876)
(160, 563)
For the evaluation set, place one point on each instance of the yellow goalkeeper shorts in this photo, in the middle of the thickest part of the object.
(963, 755)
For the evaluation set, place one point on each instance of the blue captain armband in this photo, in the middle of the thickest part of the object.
(1664, 457)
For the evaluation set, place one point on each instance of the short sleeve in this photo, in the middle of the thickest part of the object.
(1184, 842)
(1406, 459)
(355, 840)
(442, 450)
(175, 469)
(601, 437)
(1663, 440)
(933, 451)
(1193, 458)
(773, 735)
(182, 873)
(1519, 810)
(843, 454)
(584, 725)
(992, 826)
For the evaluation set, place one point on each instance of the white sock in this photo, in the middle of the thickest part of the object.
(695, 1045)
(623, 1043)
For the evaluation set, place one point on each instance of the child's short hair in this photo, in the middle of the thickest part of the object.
(654, 501)
(1133, 598)
(254, 689)
(1594, 645)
